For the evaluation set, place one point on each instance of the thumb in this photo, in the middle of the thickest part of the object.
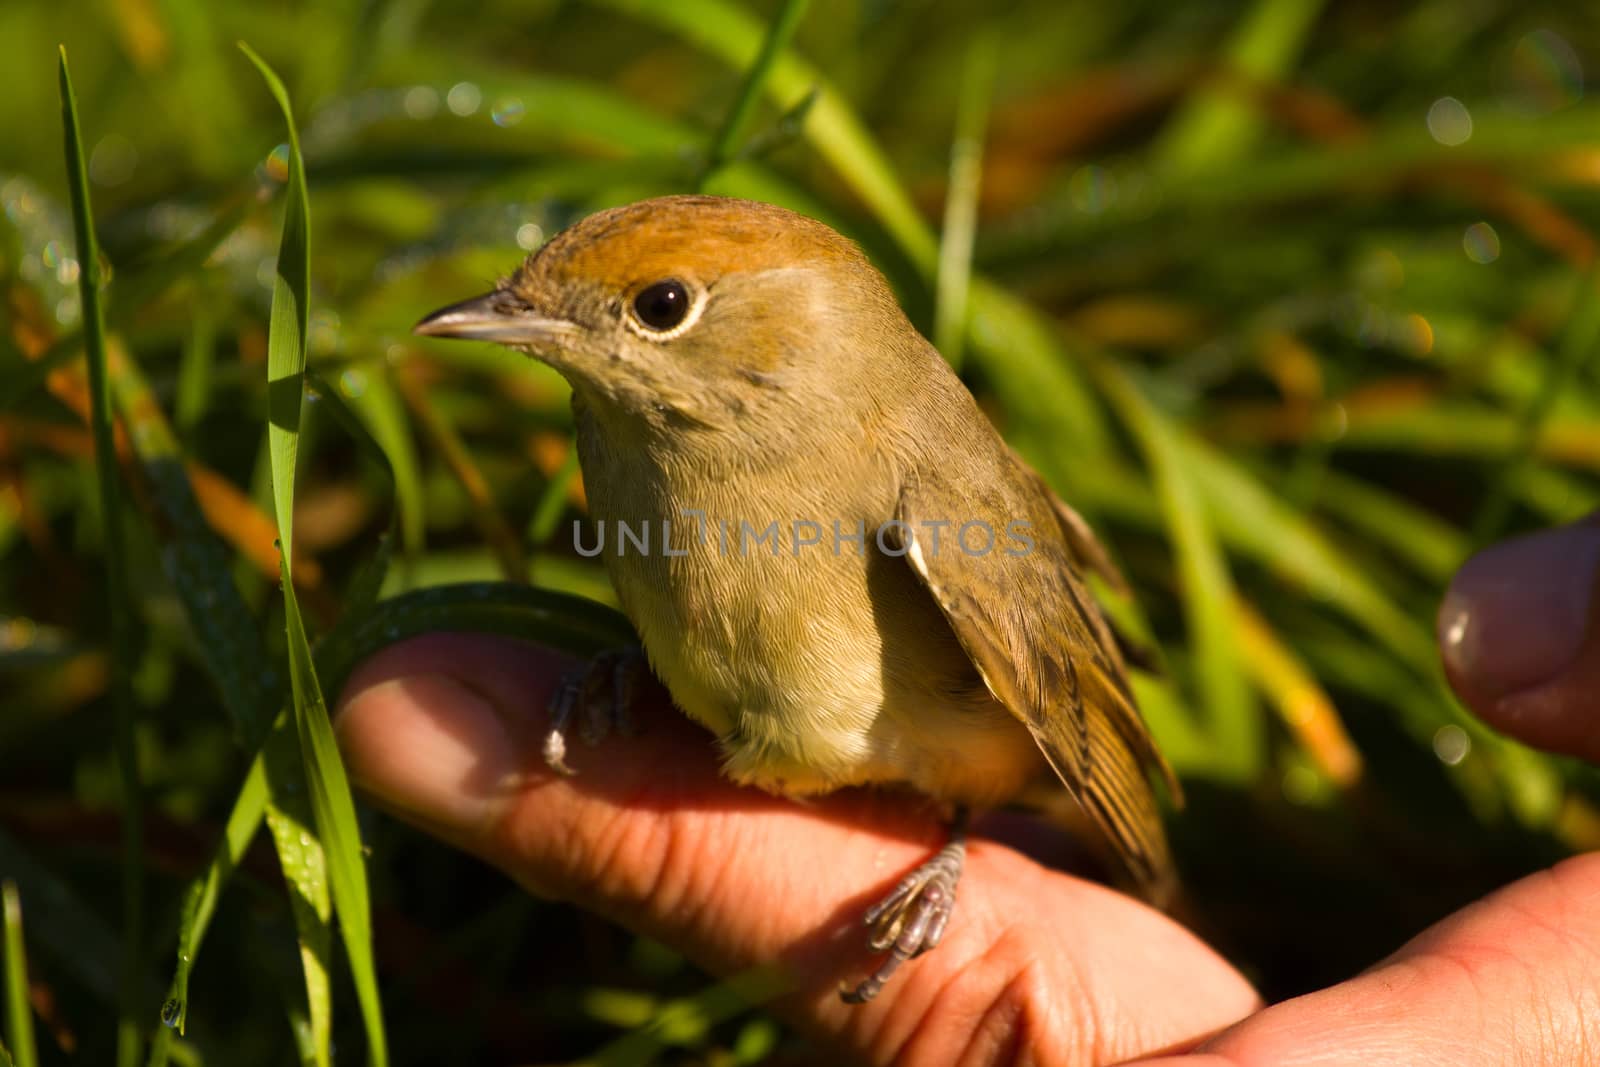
(1518, 638)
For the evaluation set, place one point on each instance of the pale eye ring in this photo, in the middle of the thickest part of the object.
(663, 310)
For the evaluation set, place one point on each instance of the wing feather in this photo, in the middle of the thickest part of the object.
(1029, 625)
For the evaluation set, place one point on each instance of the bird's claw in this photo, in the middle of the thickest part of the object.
(599, 695)
(911, 919)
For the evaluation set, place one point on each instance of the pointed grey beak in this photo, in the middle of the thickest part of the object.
(492, 317)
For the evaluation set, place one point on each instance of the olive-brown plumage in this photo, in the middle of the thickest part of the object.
(733, 365)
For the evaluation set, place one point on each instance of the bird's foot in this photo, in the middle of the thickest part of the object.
(599, 697)
(911, 920)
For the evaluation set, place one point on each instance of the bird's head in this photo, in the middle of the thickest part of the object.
(691, 313)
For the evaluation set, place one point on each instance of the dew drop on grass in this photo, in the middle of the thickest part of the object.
(1481, 243)
(277, 163)
(171, 1012)
(1449, 121)
(463, 98)
(507, 111)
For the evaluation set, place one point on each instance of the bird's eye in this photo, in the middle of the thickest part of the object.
(663, 306)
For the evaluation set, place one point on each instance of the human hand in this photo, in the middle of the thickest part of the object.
(1037, 966)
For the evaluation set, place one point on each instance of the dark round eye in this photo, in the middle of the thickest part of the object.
(663, 305)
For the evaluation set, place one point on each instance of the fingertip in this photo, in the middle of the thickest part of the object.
(1514, 633)
(435, 727)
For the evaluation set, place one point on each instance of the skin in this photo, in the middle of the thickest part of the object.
(1039, 967)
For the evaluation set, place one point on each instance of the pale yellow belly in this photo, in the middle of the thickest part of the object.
(820, 671)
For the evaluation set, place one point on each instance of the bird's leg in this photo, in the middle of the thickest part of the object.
(599, 695)
(911, 920)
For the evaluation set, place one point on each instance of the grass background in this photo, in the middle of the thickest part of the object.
(1294, 300)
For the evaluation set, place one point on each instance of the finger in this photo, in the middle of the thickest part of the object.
(444, 730)
(1511, 979)
(1518, 642)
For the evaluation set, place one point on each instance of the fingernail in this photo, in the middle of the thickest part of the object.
(1516, 614)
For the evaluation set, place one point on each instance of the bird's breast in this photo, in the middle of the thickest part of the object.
(774, 620)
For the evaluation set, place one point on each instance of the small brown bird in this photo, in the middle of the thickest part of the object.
(853, 580)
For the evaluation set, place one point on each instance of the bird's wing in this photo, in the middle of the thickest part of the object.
(1087, 551)
(1027, 622)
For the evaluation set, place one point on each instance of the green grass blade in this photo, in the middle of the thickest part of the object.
(200, 902)
(335, 814)
(328, 788)
(291, 819)
(377, 401)
(1579, 343)
(289, 324)
(961, 201)
(120, 608)
(737, 123)
(1429, 545)
(19, 1016)
(194, 371)
(553, 501)
(1220, 123)
(1258, 524)
(1206, 587)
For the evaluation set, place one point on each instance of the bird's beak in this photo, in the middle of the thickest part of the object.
(488, 318)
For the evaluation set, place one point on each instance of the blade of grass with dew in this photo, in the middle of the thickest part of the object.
(737, 122)
(953, 282)
(200, 902)
(327, 786)
(1580, 340)
(291, 821)
(1233, 723)
(119, 604)
(19, 1015)
(1220, 123)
